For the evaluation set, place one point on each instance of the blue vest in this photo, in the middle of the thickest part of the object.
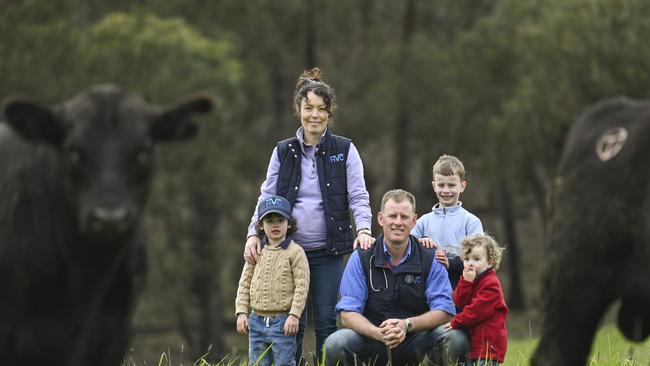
(395, 295)
(331, 158)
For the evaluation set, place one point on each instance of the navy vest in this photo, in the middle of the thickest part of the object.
(331, 159)
(395, 295)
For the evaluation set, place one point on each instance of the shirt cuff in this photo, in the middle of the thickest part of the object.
(348, 303)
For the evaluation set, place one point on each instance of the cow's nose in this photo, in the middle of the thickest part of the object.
(114, 219)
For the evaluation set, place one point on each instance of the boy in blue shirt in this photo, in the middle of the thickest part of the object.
(448, 222)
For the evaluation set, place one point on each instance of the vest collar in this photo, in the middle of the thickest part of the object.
(412, 264)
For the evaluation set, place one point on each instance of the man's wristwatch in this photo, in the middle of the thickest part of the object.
(409, 325)
(364, 231)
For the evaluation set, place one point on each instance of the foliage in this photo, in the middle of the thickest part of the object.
(495, 82)
(531, 68)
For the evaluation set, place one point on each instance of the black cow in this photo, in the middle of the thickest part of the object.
(600, 232)
(73, 183)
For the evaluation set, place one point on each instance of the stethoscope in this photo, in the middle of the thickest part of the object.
(372, 286)
(408, 278)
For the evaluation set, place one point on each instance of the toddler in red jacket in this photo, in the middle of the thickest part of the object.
(479, 297)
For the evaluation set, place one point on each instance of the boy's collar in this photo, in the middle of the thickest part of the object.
(284, 245)
(438, 207)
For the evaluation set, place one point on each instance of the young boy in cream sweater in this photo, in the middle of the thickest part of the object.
(275, 288)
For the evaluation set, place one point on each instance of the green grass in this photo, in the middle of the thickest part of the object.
(609, 349)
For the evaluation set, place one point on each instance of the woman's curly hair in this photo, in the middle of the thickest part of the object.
(311, 81)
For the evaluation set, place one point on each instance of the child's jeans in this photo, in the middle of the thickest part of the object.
(484, 363)
(265, 331)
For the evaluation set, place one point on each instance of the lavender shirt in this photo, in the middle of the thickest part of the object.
(308, 209)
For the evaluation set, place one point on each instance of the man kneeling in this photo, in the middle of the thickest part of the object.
(395, 297)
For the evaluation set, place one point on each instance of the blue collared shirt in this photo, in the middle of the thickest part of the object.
(354, 291)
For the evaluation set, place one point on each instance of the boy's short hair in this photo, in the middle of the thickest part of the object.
(492, 248)
(449, 165)
(259, 226)
(397, 195)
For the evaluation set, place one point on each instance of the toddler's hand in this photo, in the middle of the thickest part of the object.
(469, 272)
(242, 324)
(291, 325)
(447, 326)
(428, 243)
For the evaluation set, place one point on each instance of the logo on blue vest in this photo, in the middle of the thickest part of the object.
(337, 158)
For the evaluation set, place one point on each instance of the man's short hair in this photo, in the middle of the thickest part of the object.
(397, 195)
(449, 165)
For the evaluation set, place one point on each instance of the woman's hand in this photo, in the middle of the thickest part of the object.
(253, 249)
(363, 240)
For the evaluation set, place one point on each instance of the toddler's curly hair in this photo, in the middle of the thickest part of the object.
(493, 249)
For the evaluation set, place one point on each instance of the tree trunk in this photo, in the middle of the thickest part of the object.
(276, 67)
(204, 286)
(516, 298)
(403, 119)
(310, 34)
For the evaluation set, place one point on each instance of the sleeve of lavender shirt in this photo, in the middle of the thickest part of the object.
(358, 197)
(269, 187)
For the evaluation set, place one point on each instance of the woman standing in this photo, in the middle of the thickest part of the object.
(321, 174)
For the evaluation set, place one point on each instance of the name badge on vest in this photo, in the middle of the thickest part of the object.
(410, 279)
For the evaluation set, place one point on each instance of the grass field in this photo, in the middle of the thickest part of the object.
(610, 349)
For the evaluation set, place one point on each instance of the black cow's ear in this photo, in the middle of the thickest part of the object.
(175, 123)
(34, 122)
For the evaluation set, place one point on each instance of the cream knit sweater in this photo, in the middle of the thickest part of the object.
(278, 284)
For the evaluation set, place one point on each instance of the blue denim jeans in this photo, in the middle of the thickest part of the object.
(267, 333)
(347, 347)
(325, 278)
